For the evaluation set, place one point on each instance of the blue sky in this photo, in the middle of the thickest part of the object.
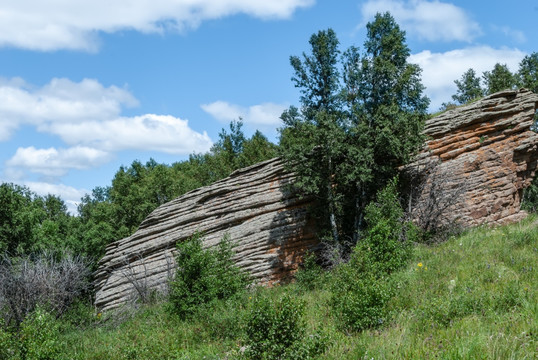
(86, 86)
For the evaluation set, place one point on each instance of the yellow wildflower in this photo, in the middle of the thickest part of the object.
(419, 264)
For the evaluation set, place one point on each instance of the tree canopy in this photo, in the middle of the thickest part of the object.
(361, 116)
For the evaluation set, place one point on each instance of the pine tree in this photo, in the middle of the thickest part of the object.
(469, 88)
(500, 78)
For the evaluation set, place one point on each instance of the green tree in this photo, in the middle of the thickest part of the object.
(468, 88)
(312, 138)
(359, 121)
(500, 78)
(527, 74)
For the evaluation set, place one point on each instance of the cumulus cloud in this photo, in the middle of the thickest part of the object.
(68, 24)
(88, 115)
(150, 132)
(56, 162)
(427, 20)
(265, 115)
(441, 69)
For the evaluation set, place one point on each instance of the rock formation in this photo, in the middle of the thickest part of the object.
(486, 155)
(268, 225)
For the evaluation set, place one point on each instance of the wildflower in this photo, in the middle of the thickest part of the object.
(451, 284)
(99, 316)
(419, 264)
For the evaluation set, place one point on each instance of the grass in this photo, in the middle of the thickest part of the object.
(474, 297)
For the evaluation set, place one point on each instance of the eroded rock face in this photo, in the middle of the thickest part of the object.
(268, 225)
(485, 154)
(486, 149)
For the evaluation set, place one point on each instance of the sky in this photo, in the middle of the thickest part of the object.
(89, 86)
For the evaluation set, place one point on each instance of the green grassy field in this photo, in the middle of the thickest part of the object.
(471, 297)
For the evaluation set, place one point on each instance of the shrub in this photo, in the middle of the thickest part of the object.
(7, 345)
(204, 275)
(359, 300)
(276, 329)
(362, 287)
(385, 246)
(39, 336)
(41, 280)
(309, 275)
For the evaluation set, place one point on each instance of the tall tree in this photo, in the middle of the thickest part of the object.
(360, 118)
(500, 78)
(468, 88)
(313, 137)
(387, 110)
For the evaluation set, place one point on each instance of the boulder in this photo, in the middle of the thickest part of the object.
(479, 158)
(267, 224)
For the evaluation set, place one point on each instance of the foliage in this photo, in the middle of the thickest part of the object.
(530, 197)
(43, 280)
(8, 346)
(362, 288)
(500, 78)
(468, 88)
(276, 329)
(29, 222)
(310, 274)
(203, 276)
(39, 336)
(527, 74)
(385, 247)
(358, 122)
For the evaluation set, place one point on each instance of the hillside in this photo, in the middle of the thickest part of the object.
(473, 296)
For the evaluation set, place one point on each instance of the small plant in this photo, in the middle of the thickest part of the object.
(309, 275)
(204, 275)
(358, 299)
(39, 336)
(276, 329)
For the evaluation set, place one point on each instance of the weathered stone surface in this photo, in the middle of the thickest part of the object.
(268, 225)
(487, 149)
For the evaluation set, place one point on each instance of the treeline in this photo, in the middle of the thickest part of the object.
(471, 87)
(30, 223)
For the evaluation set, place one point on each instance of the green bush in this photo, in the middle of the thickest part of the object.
(362, 287)
(7, 345)
(359, 300)
(276, 329)
(310, 274)
(39, 336)
(385, 246)
(204, 276)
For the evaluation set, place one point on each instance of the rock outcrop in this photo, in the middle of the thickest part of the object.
(486, 155)
(268, 225)
(482, 155)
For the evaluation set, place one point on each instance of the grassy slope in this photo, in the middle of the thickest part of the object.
(474, 297)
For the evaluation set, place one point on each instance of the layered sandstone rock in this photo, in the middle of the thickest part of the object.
(486, 149)
(268, 225)
(485, 155)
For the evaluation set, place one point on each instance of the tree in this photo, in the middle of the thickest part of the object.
(360, 119)
(387, 111)
(527, 74)
(500, 78)
(312, 138)
(469, 88)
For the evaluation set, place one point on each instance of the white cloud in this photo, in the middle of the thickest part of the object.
(149, 132)
(265, 115)
(441, 69)
(68, 24)
(56, 162)
(427, 20)
(88, 114)
(517, 35)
